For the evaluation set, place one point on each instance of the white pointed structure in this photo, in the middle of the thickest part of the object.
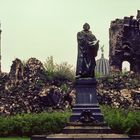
(102, 64)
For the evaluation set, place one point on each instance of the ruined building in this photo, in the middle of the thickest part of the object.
(124, 35)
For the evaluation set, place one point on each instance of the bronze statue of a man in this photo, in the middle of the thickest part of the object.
(87, 51)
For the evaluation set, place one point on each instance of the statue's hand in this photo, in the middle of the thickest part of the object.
(93, 43)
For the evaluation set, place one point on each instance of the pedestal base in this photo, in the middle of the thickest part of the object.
(86, 108)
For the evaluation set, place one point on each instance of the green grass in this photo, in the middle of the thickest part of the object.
(18, 138)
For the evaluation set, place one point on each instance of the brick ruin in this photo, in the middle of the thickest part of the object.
(124, 42)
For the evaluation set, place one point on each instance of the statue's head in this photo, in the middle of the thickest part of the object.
(86, 26)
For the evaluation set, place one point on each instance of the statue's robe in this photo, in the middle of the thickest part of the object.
(87, 51)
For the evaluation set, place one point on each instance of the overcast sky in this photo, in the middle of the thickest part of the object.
(41, 28)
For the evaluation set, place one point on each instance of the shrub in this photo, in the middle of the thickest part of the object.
(63, 71)
(122, 121)
(49, 67)
(31, 124)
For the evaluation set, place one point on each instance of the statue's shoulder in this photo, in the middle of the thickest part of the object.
(80, 33)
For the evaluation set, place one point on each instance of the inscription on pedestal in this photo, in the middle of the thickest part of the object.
(86, 91)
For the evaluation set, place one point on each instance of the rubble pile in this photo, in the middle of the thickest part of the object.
(3, 79)
(119, 90)
(26, 89)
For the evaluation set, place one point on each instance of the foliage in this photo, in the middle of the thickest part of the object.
(62, 71)
(97, 74)
(49, 67)
(64, 88)
(122, 121)
(31, 124)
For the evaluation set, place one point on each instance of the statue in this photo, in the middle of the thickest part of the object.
(88, 46)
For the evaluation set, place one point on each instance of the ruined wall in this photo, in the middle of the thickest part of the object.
(124, 42)
(27, 89)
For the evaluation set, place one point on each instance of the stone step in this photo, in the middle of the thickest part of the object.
(76, 116)
(79, 110)
(86, 105)
(85, 124)
(93, 113)
(81, 137)
(87, 129)
(135, 137)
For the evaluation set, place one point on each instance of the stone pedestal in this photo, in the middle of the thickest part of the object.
(86, 101)
(86, 91)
